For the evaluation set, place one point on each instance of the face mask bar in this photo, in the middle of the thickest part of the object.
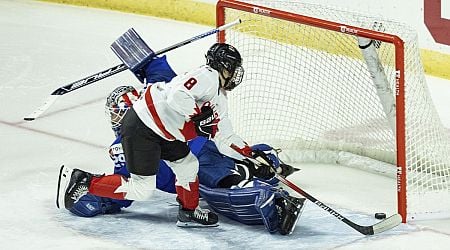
(235, 79)
(116, 114)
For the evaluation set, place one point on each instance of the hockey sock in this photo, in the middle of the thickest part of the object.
(105, 186)
(189, 198)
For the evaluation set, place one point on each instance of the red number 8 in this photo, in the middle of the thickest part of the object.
(190, 83)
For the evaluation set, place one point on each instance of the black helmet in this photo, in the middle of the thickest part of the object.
(222, 56)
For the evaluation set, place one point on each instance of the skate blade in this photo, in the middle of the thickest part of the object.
(190, 224)
(63, 182)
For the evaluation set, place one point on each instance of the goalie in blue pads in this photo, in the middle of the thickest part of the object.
(247, 193)
(240, 190)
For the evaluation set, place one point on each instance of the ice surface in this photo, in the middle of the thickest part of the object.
(44, 46)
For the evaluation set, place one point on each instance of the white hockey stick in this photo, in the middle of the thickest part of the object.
(114, 70)
(48, 102)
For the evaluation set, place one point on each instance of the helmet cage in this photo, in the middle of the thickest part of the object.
(116, 114)
(118, 103)
(235, 79)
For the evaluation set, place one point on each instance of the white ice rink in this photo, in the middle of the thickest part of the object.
(44, 46)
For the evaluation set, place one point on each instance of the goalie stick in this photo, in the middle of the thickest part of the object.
(379, 227)
(112, 71)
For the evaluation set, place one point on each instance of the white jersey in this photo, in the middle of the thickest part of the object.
(167, 108)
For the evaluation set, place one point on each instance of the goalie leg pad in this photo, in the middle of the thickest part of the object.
(269, 214)
(236, 204)
(90, 205)
(252, 205)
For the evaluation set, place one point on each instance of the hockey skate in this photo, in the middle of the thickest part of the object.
(197, 218)
(289, 211)
(72, 185)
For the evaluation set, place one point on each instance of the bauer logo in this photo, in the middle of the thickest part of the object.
(397, 82)
(399, 182)
(345, 29)
(258, 10)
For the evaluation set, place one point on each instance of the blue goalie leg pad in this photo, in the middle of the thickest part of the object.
(236, 204)
(250, 205)
(269, 214)
(90, 205)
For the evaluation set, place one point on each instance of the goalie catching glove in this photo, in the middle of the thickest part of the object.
(267, 157)
(264, 161)
(206, 122)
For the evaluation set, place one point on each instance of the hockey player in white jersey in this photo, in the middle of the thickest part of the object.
(240, 190)
(159, 125)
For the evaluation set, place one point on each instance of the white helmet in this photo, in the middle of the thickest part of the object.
(118, 103)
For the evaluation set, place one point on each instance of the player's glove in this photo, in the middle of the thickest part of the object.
(205, 122)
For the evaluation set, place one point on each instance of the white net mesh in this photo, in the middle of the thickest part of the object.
(307, 88)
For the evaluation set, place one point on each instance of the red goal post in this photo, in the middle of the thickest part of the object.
(397, 42)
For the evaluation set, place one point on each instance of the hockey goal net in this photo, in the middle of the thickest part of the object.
(338, 85)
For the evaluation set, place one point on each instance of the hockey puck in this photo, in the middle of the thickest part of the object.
(380, 216)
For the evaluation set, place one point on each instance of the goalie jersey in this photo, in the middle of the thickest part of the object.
(165, 178)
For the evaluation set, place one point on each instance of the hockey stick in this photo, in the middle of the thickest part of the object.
(379, 227)
(112, 71)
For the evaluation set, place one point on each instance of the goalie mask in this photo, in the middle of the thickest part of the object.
(118, 103)
(228, 62)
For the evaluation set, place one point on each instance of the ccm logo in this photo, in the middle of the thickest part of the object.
(345, 29)
(258, 10)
